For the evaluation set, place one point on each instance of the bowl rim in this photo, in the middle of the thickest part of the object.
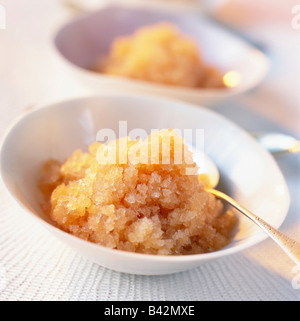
(189, 258)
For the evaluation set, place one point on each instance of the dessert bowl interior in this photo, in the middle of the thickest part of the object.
(247, 172)
(83, 41)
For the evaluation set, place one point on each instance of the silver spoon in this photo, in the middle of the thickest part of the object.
(278, 143)
(288, 245)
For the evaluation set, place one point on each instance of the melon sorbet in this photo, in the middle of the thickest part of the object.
(133, 205)
(161, 54)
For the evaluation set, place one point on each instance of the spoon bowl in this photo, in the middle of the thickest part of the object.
(278, 143)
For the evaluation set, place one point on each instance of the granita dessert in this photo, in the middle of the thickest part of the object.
(160, 54)
(141, 196)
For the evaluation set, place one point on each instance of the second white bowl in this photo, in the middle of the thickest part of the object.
(81, 42)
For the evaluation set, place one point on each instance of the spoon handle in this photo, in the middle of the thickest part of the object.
(290, 246)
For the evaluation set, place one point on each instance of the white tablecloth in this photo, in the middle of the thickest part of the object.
(36, 266)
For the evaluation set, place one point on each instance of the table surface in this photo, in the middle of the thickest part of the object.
(36, 266)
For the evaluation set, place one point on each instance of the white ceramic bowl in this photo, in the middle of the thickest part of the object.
(248, 173)
(80, 43)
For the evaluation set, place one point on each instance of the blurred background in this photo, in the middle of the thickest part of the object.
(29, 76)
